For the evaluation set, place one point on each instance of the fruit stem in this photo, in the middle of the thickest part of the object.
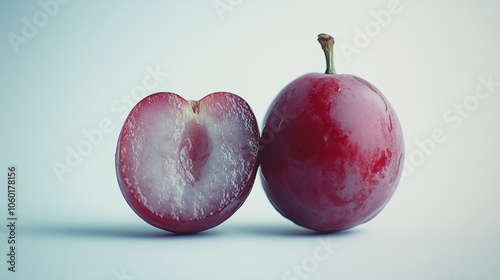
(327, 42)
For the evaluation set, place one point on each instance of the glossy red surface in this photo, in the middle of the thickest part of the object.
(332, 151)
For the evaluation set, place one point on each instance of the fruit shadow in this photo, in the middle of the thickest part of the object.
(286, 230)
(128, 231)
(115, 231)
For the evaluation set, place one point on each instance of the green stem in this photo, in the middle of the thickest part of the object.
(327, 42)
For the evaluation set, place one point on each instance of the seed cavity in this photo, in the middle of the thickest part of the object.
(194, 151)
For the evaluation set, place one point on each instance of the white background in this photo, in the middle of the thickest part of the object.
(83, 60)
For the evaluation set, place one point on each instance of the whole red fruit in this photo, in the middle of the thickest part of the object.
(187, 166)
(332, 150)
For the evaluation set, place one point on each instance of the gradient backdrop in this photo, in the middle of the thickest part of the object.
(71, 71)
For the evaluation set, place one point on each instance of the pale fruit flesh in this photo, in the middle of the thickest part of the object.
(187, 166)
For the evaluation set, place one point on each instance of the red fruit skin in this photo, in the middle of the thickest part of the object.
(215, 103)
(332, 152)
